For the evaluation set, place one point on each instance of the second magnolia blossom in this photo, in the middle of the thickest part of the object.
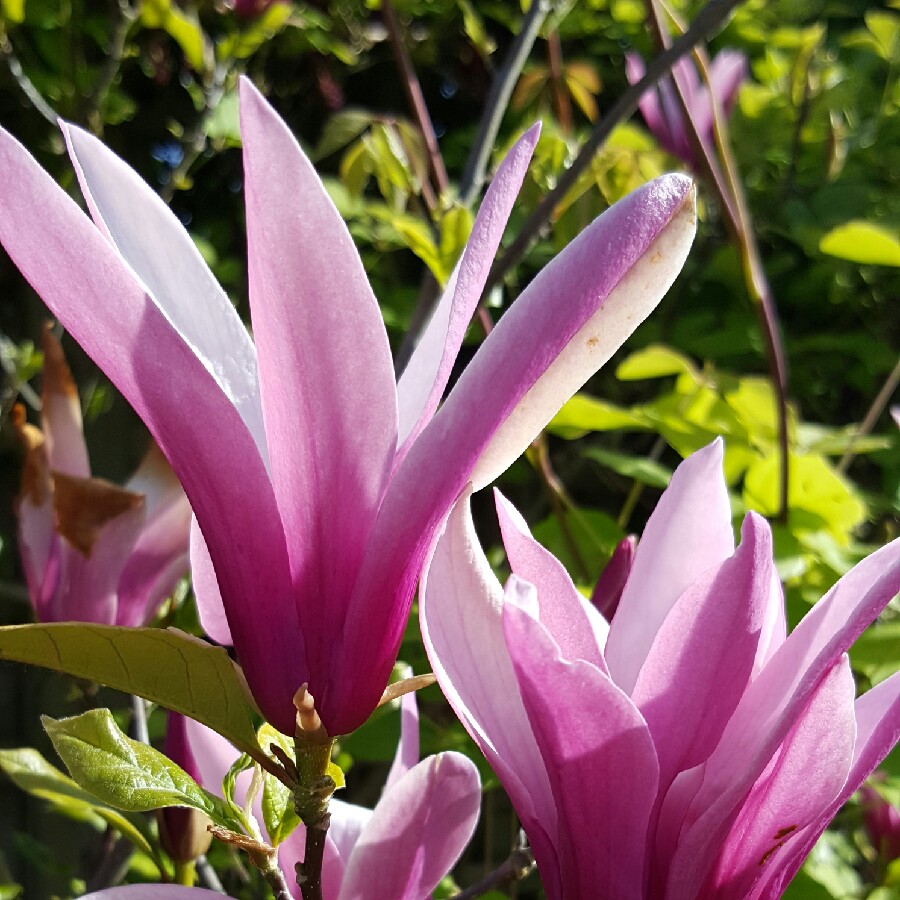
(688, 749)
(93, 551)
(317, 481)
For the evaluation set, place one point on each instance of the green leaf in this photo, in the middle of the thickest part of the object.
(819, 498)
(655, 361)
(224, 123)
(244, 43)
(885, 28)
(475, 30)
(417, 237)
(13, 10)
(862, 242)
(172, 669)
(125, 773)
(340, 130)
(277, 800)
(877, 651)
(183, 29)
(646, 471)
(456, 225)
(30, 772)
(583, 413)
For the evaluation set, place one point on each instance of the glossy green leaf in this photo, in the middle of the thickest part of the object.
(655, 361)
(819, 498)
(582, 414)
(340, 130)
(646, 471)
(30, 772)
(170, 668)
(862, 242)
(125, 773)
(245, 42)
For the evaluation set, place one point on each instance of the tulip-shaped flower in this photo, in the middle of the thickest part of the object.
(687, 750)
(663, 113)
(319, 483)
(93, 551)
(882, 822)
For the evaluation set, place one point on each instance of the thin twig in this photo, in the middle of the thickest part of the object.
(708, 19)
(111, 65)
(517, 866)
(415, 97)
(139, 720)
(195, 142)
(498, 99)
(207, 875)
(875, 410)
(32, 94)
(560, 503)
(730, 189)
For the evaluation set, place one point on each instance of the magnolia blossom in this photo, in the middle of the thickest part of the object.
(400, 850)
(689, 749)
(318, 482)
(662, 110)
(93, 551)
(882, 822)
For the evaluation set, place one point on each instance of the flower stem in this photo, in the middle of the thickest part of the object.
(309, 872)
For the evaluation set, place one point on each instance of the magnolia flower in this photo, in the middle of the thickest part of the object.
(93, 551)
(318, 482)
(882, 822)
(688, 749)
(608, 590)
(400, 850)
(662, 111)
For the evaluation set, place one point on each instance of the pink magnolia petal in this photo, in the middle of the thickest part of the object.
(565, 325)
(89, 576)
(326, 377)
(688, 533)
(422, 383)
(608, 590)
(293, 848)
(700, 662)
(773, 701)
(417, 832)
(407, 754)
(165, 260)
(61, 412)
(877, 732)
(210, 607)
(38, 540)
(727, 73)
(774, 629)
(567, 616)
(160, 555)
(600, 759)
(810, 771)
(460, 616)
(82, 279)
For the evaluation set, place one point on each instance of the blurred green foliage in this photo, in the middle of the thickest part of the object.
(815, 135)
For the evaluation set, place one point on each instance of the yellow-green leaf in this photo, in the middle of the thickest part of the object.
(125, 773)
(184, 30)
(862, 242)
(655, 361)
(582, 414)
(13, 10)
(30, 772)
(170, 668)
